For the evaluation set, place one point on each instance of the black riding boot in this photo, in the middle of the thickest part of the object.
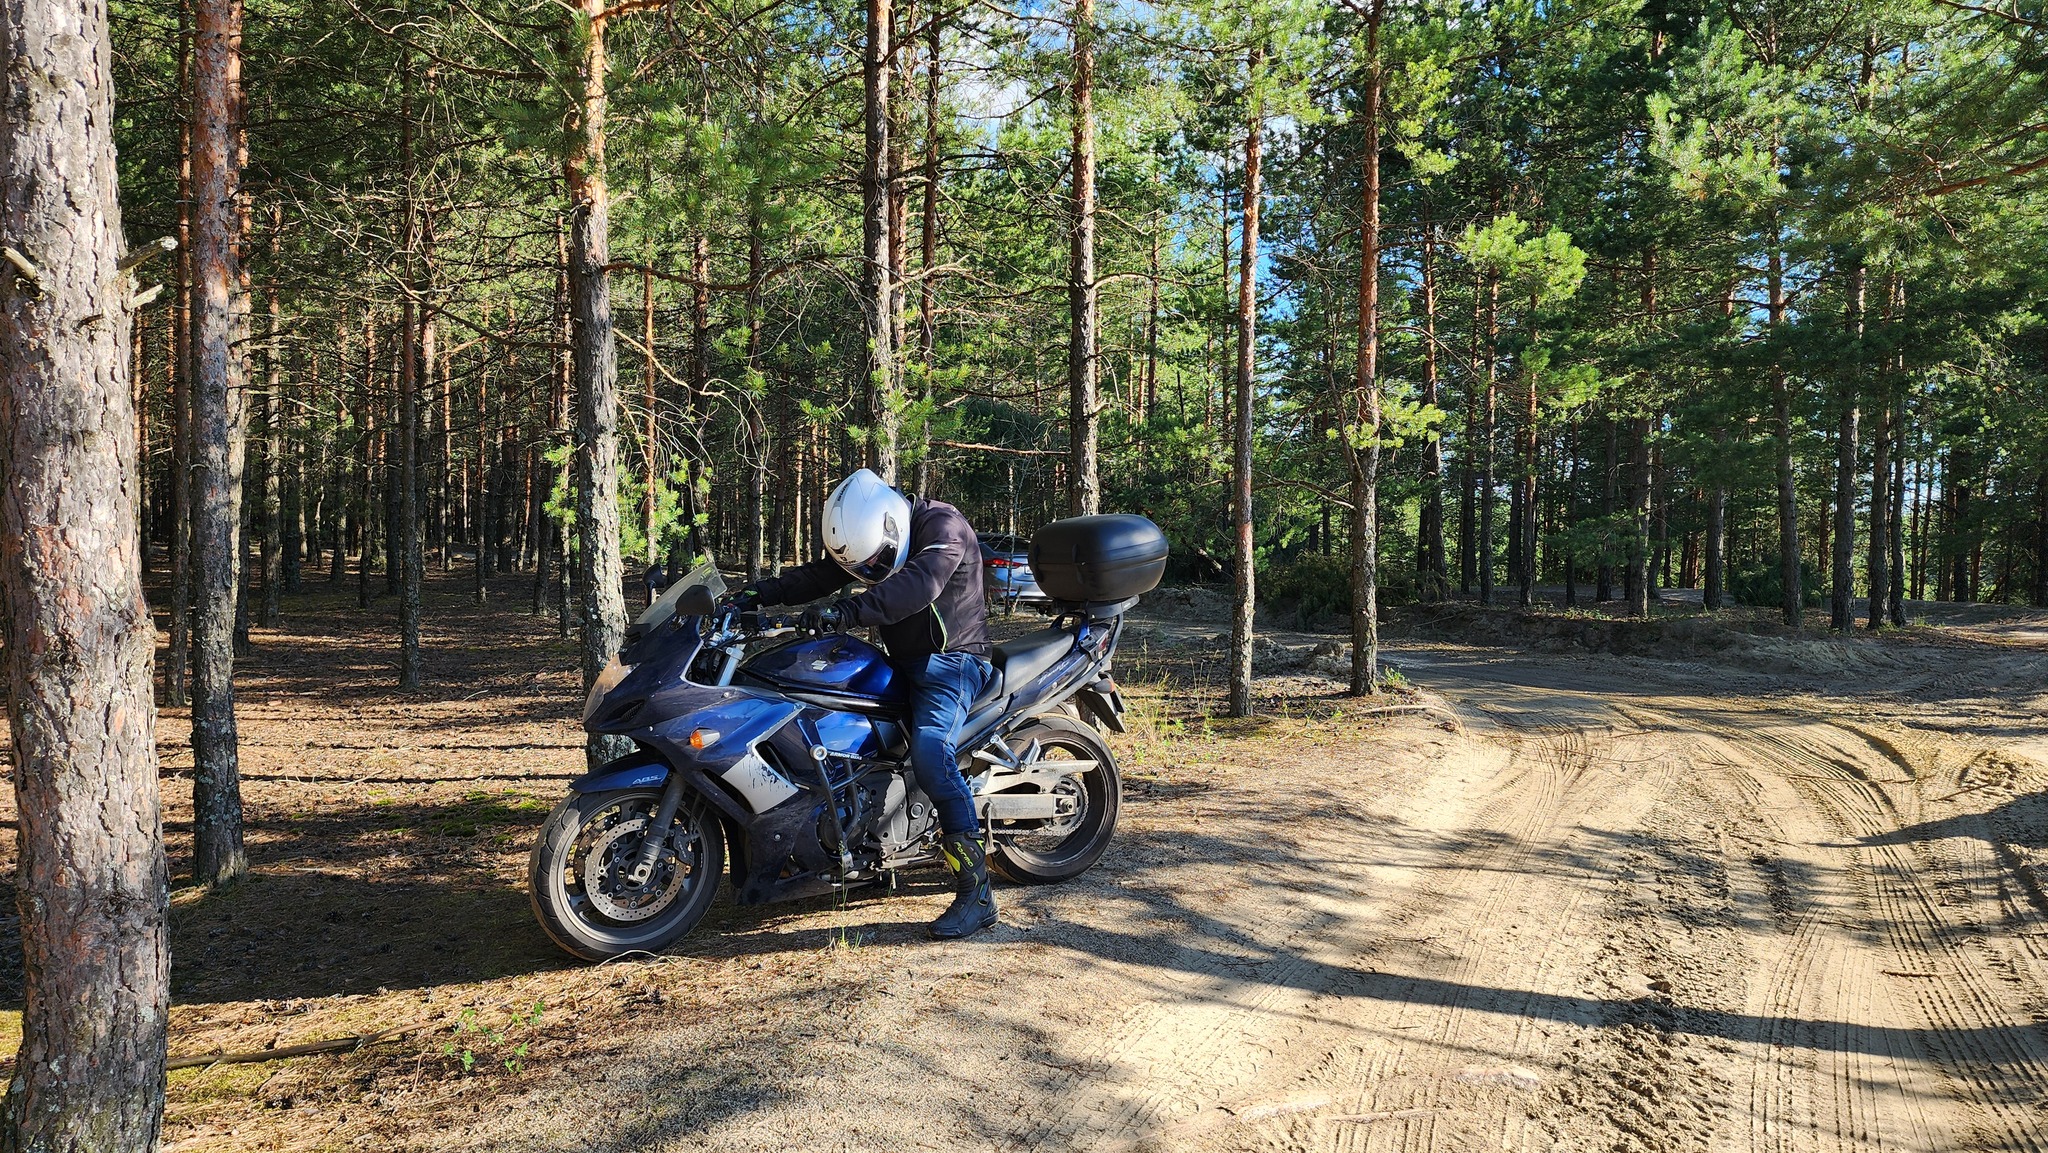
(974, 905)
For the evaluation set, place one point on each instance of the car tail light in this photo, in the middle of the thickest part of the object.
(1001, 562)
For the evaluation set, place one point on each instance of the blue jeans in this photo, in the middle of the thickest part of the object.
(941, 693)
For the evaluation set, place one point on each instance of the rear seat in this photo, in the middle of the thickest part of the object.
(1023, 660)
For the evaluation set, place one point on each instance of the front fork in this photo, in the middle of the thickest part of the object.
(657, 833)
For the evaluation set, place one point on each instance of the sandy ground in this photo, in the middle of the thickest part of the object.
(1784, 897)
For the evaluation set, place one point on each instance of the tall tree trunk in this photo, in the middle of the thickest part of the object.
(1362, 439)
(1152, 326)
(1641, 491)
(1084, 493)
(1781, 412)
(649, 456)
(1468, 436)
(595, 357)
(90, 877)
(558, 425)
(1243, 592)
(178, 655)
(1882, 528)
(1897, 599)
(698, 477)
(1525, 527)
(882, 407)
(758, 448)
(273, 438)
(1842, 594)
(1715, 582)
(928, 246)
(1434, 578)
(220, 432)
(1488, 498)
(409, 551)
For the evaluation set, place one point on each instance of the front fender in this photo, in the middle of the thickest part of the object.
(634, 771)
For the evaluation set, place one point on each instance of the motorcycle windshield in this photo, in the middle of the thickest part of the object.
(705, 576)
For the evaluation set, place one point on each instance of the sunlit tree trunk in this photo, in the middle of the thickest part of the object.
(1361, 439)
(1781, 413)
(881, 406)
(1842, 593)
(595, 357)
(1433, 579)
(219, 432)
(178, 655)
(1243, 603)
(1084, 492)
(90, 876)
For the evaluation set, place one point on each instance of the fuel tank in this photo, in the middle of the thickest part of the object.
(842, 666)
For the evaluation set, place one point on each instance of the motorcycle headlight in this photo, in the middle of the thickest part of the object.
(606, 681)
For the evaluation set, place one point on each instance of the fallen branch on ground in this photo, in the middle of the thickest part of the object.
(310, 1048)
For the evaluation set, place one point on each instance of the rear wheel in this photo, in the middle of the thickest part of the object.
(1063, 849)
(578, 876)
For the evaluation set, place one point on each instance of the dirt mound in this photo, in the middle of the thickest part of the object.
(1743, 643)
(1187, 603)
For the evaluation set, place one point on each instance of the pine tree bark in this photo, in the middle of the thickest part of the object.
(90, 877)
(1243, 591)
(409, 551)
(1781, 413)
(1489, 499)
(1714, 584)
(273, 440)
(1883, 526)
(1641, 491)
(928, 247)
(883, 408)
(220, 432)
(1361, 439)
(1525, 492)
(1433, 579)
(1084, 491)
(648, 456)
(595, 359)
(178, 655)
(1842, 593)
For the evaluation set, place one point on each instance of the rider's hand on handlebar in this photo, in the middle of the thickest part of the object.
(825, 618)
(744, 601)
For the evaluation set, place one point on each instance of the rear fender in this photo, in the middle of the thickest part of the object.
(1104, 703)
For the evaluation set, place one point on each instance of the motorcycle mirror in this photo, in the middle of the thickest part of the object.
(697, 602)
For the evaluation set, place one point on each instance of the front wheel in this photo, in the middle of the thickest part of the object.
(1064, 849)
(579, 873)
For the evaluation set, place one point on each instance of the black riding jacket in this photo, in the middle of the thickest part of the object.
(933, 604)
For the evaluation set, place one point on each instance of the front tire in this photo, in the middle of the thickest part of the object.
(577, 878)
(1064, 851)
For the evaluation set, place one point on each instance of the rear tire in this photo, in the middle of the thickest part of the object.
(575, 873)
(1038, 858)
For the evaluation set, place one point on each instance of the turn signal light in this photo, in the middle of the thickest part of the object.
(703, 738)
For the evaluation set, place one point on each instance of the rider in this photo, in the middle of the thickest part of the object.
(921, 564)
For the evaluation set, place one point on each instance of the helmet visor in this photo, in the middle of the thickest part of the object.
(877, 566)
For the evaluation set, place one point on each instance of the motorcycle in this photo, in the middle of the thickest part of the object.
(778, 757)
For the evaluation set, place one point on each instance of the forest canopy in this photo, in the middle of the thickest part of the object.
(1664, 294)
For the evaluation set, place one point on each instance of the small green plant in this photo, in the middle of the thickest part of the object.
(507, 1045)
(1394, 678)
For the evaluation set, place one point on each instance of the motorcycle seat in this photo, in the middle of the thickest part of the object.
(1021, 661)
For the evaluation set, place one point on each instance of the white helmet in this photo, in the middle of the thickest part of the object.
(867, 527)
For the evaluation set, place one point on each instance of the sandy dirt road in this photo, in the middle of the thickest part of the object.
(1612, 905)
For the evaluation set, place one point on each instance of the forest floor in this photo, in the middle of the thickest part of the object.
(1757, 891)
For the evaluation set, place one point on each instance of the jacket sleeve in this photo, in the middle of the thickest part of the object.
(805, 582)
(938, 548)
